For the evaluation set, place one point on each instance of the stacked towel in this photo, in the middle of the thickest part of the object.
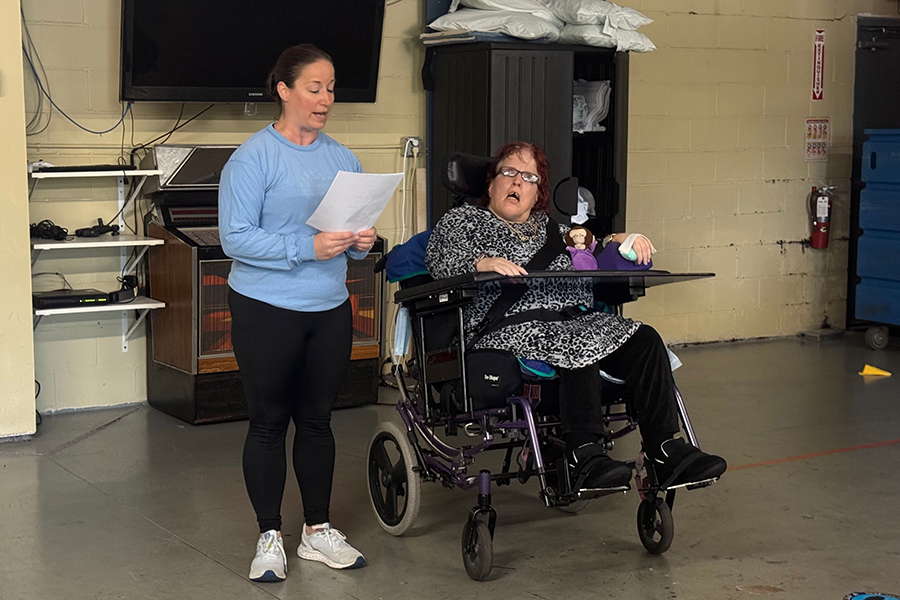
(587, 22)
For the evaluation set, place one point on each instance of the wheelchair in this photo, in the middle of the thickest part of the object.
(443, 402)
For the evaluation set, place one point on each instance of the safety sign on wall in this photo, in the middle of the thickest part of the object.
(818, 135)
(818, 80)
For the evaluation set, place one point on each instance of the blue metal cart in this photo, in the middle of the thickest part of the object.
(878, 254)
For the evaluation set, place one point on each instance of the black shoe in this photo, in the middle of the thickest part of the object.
(592, 469)
(679, 463)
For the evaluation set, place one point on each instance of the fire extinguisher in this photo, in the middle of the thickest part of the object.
(819, 209)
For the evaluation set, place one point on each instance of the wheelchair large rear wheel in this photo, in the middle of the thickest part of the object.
(656, 527)
(394, 487)
(479, 557)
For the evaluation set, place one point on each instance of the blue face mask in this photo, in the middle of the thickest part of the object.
(401, 335)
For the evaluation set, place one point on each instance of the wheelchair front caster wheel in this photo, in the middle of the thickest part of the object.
(656, 527)
(877, 338)
(394, 486)
(477, 549)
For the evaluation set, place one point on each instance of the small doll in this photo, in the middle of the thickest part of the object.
(580, 243)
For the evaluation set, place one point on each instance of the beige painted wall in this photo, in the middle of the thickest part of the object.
(16, 352)
(79, 360)
(716, 171)
(716, 175)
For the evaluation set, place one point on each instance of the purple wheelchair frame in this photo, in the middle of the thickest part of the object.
(455, 474)
(438, 461)
(458, 476)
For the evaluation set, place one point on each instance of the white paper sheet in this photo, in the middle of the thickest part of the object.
(354, 201)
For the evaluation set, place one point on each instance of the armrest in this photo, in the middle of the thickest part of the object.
(434, 289)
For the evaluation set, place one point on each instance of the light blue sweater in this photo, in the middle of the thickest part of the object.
(268, 189)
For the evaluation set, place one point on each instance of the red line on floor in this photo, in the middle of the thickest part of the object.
(778, 461)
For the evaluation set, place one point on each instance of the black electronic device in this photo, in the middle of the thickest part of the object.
(186, 194)
(68, 298)
(166, 56)
(126, 294)
(83, 168)
(97, 230)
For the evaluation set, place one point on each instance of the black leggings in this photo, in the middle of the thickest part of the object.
(292, 364)
(643, 363)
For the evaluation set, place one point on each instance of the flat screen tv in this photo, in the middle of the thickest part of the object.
(222, 50)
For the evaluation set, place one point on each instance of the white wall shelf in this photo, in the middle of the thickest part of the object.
(73, 174)
(104, 241)
(119, 175)
(140, 304)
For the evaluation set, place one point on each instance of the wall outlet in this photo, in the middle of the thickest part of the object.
(410, 142)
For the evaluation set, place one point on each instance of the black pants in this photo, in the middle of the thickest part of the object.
(643, 363)
(292, 364)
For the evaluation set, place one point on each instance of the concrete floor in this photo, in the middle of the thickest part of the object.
(131, 503)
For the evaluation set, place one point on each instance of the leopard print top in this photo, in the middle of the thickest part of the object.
(463, 233)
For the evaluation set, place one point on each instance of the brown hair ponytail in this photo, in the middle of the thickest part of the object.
(289, 65)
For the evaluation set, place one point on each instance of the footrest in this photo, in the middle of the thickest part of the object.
(702, 484)
(588, 493)
(692, 485)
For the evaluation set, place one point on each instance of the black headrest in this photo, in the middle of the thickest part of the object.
(466, 175)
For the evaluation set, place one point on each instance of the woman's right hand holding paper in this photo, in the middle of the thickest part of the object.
(329, 244)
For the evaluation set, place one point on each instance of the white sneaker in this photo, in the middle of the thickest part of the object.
(328, 545)
(270, 562)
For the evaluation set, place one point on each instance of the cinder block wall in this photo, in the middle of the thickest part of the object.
(716, 174)
(79, 360)
(716, 171)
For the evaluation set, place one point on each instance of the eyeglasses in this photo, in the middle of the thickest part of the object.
(526, 176)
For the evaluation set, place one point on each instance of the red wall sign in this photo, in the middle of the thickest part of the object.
(818, 80)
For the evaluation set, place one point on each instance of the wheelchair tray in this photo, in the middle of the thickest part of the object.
(631, 282)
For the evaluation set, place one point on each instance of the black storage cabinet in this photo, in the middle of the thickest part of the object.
(486, 94)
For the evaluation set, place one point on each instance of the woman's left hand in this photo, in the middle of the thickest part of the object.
(642, 247)
(366, 240)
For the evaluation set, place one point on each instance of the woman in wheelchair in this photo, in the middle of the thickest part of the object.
(505, 234)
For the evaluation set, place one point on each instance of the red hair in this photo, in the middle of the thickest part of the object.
(543, 171)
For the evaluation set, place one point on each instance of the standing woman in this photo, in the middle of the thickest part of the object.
(291, 318)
